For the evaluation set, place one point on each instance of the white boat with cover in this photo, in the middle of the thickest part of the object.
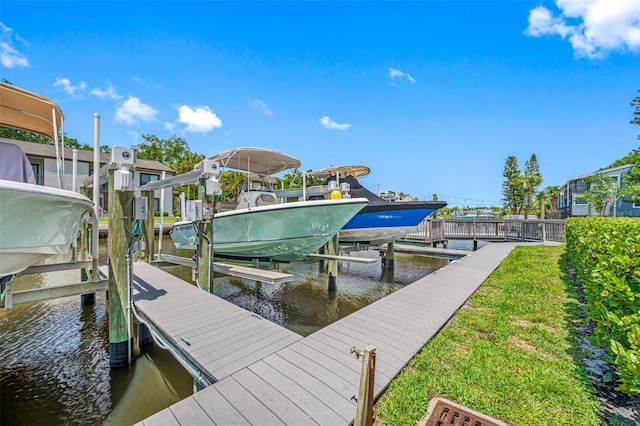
(262, 227)
(35, 221)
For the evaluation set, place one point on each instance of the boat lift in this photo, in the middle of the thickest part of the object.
(90, 281)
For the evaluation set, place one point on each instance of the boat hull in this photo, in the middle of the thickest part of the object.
(281, 232)
(382, 224)
(36, 222)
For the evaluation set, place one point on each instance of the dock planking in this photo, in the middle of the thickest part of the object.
(313, 380)
(216, 335)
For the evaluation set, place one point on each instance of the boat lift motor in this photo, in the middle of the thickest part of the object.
(124, 159)
(211, 170)
(345, 187)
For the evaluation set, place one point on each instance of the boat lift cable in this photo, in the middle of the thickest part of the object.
(135, 233)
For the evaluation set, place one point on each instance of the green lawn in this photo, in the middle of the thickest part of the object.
(509, 352)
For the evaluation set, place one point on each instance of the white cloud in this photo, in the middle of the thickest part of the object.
(133, 135)
(593, 27)
(109, 93)
(69, 88)
(257, 103)
(10, 57)
(199, 119)
(395, 73)
(132, 111)
(169, 126)
(330, 124)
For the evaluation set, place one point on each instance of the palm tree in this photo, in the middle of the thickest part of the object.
(549, 197)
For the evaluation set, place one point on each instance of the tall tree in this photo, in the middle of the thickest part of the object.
(512, 187)
(635, 104)
(531, 180)
(174, 153)
(232, 184)
(632, 179)
(548, 199)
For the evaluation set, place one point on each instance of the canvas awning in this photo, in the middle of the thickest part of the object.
(29, 111)
(261, 161)
(355, 171)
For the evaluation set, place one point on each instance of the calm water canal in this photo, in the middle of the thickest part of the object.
(54, 361)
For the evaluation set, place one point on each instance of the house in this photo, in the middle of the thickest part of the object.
(43, 161)
(569, 205)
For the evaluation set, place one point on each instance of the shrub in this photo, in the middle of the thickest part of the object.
(605, 253)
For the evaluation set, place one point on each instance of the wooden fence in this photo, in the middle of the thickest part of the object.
(439, 230)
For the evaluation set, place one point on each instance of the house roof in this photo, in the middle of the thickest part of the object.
(605, 171)
(85, 156)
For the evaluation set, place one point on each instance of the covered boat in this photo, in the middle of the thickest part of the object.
(35, 221)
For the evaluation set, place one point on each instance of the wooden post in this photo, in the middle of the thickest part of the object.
(364, 409)
(205, 249)
(389, 260)
(332, 270)
(149, 229)
(118, 292)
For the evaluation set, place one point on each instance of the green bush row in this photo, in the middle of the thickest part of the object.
(605, 254)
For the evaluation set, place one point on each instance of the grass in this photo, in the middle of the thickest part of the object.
(509, 352)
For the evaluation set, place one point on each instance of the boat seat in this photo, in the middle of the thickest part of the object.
(14, 164)
(225, 206)
(266, 199)
(250, 199)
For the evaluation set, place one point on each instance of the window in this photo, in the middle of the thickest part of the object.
(36, 172)
(146, 178)
(156, 204)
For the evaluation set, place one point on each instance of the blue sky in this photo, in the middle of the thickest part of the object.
(431, 95)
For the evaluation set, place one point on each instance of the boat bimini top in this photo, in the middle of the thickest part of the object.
(260, 161)
(341, 171)
(25, 110)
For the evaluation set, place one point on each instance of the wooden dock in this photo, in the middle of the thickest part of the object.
(314, 380)
(215, 336)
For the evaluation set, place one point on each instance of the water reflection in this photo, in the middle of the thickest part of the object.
(54, 361)
(54, 365)
(304, 305)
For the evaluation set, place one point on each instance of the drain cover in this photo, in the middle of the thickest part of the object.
(442, 412)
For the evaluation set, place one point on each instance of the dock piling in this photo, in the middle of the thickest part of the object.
(332, 270)
(364, 409)
(388, 259)
(205, 231)
(119, 340)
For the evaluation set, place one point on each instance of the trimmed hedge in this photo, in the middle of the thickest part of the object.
(605, 253)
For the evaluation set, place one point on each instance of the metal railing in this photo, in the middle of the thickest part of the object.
(438, 230)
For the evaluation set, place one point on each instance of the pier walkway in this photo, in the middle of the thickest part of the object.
(314, 380)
